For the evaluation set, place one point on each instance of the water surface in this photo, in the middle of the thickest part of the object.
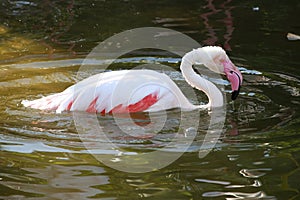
(42, 45)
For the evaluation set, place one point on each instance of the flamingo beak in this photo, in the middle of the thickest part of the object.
(234, 76)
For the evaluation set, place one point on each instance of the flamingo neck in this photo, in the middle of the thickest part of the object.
(215, 96)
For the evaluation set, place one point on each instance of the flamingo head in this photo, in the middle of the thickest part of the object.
(234, 76)
(218, 61)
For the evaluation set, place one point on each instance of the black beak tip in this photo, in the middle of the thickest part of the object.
(235, 94)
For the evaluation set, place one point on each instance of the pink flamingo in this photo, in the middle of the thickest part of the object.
(129, 91)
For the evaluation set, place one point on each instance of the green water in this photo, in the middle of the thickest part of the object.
(42, 44)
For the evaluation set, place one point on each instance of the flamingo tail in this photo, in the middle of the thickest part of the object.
(51, 102)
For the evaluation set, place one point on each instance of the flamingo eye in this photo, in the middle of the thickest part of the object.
(231, 72)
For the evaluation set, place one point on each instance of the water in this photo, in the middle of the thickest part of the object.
(42, 45)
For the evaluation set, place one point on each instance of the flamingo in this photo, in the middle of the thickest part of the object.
(130, 91)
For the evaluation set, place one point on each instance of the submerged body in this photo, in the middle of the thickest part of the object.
(118, 92)
(129, 91)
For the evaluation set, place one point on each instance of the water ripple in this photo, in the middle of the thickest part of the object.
(239, 195)
(254, 173)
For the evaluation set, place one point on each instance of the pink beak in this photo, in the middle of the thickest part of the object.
(234, 76)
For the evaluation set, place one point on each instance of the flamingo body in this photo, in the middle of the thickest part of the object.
(117, 92)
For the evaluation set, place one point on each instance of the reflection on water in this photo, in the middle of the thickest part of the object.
(42, 155)
(225, 8)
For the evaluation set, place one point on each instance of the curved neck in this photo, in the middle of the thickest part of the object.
(215, 96)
